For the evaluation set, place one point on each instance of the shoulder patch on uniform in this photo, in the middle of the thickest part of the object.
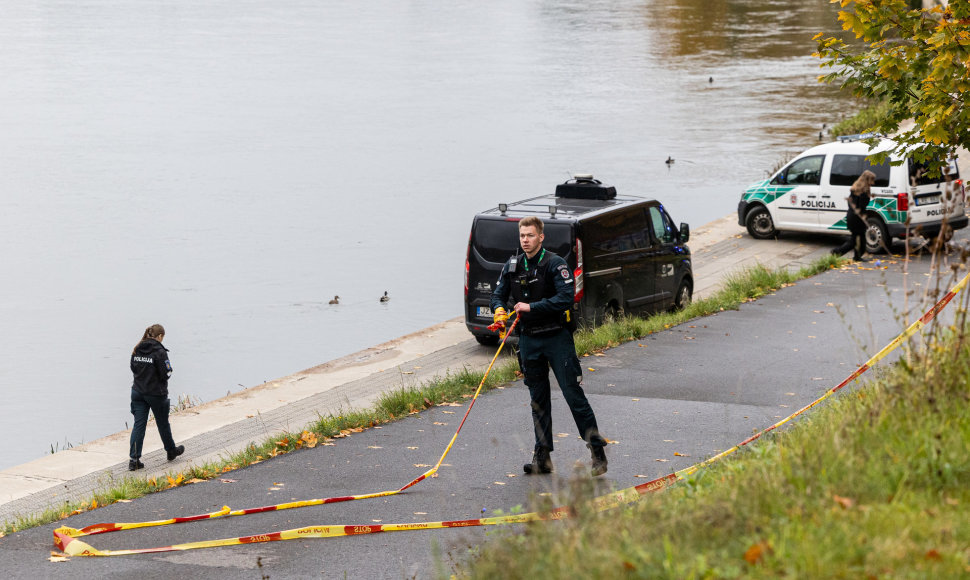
(564, 272)
(168, 365)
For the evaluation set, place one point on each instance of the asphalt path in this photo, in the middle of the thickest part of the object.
(667, 401)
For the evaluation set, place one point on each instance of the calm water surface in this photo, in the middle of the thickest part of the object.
(225, 168)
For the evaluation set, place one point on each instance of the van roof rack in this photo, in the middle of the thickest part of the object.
(859, 137)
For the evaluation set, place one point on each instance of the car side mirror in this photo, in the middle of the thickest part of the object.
(684, 233)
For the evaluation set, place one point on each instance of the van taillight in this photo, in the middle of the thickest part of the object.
(468, 253)
(578, 273)
(902, 201)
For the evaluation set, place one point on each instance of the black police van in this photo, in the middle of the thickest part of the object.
(625, 252)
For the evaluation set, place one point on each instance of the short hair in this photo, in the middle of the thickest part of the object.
(531, 221)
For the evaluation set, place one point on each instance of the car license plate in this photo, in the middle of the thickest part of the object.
(928, 200)
(484, 311)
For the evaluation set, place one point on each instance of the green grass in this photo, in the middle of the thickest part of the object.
(741, 287)
(873, 484)
(863, 121)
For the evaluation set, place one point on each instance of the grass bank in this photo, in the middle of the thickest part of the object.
(874, 484)
(862, 121)
(745, 286)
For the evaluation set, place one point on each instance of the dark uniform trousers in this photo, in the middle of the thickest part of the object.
(557, 350)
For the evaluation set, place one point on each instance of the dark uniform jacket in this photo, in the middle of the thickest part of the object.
(151, 368)
(857, 207)
(544, 282)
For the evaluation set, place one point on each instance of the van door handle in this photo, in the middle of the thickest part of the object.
(826, 196)
(811, 196)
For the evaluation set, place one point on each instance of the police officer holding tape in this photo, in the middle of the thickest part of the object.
(540, 286)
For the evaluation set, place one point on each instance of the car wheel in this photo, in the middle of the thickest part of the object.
(612, 312)
(877, 237)
(760, 224)
(486, 339)
(684, 292)
(945, 235)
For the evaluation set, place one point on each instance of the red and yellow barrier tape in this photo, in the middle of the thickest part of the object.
(65, 538)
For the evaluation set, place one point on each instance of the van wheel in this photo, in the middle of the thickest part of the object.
(612, 312)
(760, 225)
(684, 292)
(486, 339)
(877, 237)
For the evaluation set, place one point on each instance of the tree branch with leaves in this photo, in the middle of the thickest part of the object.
(917, 61)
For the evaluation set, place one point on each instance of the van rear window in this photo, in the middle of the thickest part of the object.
(919, 173)
(847, 168)
(498, 240)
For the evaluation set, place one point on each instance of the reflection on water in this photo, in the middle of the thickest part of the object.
(225, 168)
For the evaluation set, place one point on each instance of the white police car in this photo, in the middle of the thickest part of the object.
(809, 195)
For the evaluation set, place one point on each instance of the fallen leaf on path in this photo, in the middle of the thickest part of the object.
(195, 480)
(223, 480)
(58, 557)
(449, 412)
(374, 447)
(412, 448)
(679, 454)
(662, 460)
(562, 434)
(498, 483)
(634, 399)
(421, 465)
(591, 369)
(668, 440)
(439, 423)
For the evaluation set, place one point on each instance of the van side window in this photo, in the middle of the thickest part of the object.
(618, 232)
(847, 168)
(919, 173)
(663, 229)
(804, 171)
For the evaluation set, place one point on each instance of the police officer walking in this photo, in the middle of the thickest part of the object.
(539, 287)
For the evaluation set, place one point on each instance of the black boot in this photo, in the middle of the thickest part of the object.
(599, 459)
(541, 462)
(176, 452)
(134, 465)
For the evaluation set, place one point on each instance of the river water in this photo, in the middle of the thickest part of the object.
(225, 168)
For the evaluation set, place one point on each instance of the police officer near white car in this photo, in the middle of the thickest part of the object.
(539, 287)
